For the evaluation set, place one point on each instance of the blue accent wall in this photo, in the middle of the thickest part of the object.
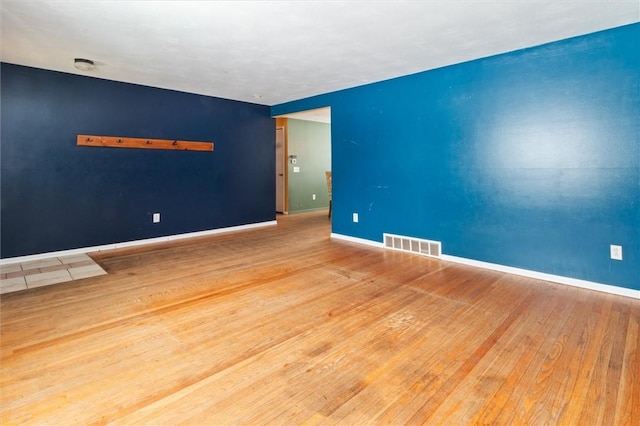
(57, 196)
(529, 159)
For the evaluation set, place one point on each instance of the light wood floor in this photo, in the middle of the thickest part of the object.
(282, 325)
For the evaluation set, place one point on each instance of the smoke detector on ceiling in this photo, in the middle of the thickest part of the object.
(83, 64)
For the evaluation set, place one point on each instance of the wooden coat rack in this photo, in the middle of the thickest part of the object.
(120, 142)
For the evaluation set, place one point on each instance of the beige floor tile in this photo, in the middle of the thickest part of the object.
(12, 284)
(86, 271)
(12, 281)
(11, 267)
(12, 288)
(81, 263)
(42, 263)
(22, 273)
(74, 258)
(53, 268)
(47, 278)
(42, 272)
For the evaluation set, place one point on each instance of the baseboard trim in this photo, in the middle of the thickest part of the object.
(559, 279)
(136, 242)
(357, 240)
(605, 288)
(316, 209)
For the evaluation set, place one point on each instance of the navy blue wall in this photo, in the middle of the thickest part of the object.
(57, 196)
(528, 159)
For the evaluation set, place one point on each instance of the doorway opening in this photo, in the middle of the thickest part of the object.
(303, 158)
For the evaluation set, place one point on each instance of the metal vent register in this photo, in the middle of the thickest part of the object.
(413, 245)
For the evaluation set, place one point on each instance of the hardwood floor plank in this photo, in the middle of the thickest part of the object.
(283, 325)
(447, 354)
(139, 299)
(149, 337)
(592, 336)
(278, 360)
(505, 361)
(543, 321)
(614, 371)
(423, 414)
(629, 410)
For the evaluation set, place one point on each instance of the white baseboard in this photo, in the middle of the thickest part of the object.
(605, 288)
(135, 243)
(356, 240)
(316, 209)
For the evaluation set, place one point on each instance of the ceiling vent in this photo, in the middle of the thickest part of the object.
(413, 245)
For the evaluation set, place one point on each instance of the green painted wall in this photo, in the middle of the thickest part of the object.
(310, 142)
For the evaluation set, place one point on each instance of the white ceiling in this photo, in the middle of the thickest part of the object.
(269, 52)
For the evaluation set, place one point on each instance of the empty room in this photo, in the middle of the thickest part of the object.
(320, 212)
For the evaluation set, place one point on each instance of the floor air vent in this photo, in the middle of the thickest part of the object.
(413, 245)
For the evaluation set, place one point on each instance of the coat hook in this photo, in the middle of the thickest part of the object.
(175, 143)
(119, 140)
(89, 140)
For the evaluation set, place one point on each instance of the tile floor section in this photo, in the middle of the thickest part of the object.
(38, 273)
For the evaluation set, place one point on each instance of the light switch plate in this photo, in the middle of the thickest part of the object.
(296, 169)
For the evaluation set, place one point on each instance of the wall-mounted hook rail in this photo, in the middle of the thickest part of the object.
(120, 142)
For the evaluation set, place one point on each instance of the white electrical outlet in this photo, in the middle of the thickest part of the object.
(355, 218)
(313, 196)
(156, 217)
(616, 252)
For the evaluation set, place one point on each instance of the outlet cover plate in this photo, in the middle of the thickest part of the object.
(616, 252)
(156, 217)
